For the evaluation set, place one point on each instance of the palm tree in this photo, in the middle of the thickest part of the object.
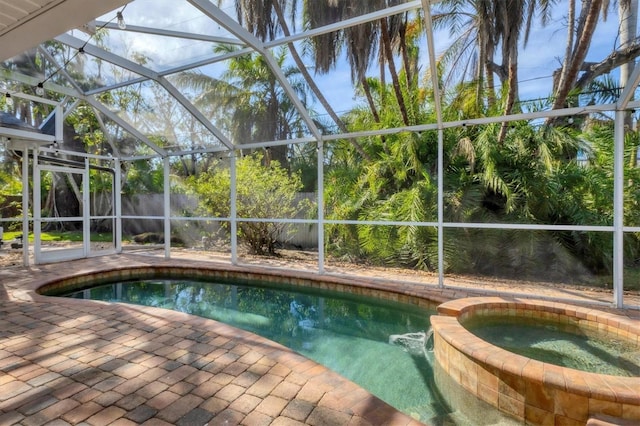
(387, 56)
(311, 82)
(480, 27)
(263, 18)
(382, 38)
(250, 97)
(361, 41)
(471, 54)
(628, 17)
(623, 56)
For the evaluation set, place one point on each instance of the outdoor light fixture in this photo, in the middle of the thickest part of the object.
(8, 99)
(121, 24)
(40, 89)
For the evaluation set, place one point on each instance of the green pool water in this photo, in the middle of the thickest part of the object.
(346, 334)
(561, 344)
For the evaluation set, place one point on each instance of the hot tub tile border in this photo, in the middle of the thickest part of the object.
(582, 392)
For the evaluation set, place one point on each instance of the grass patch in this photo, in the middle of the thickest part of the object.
(70, 236)
(632, 279)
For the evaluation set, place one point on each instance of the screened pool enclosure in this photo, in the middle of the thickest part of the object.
(449, 142)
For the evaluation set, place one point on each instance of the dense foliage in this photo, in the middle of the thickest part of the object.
(263, 191)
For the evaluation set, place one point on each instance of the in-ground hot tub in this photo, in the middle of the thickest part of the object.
(530, 390)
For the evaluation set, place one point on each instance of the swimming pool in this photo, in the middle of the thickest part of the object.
(348, 334)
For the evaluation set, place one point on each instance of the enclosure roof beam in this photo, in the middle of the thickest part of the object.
(116, 86)
(33, 81)
(92, 50)
(129, 128)
(60, 69)
(72, 107)
(405, 7)
(146, 72)
(211, 60)
(169, 33)
(629, 89)
(236, 29)
(34, 135)
(194, 111)
(347, 23)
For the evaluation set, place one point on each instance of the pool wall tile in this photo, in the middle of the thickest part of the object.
(605, 407)
(537, 416)
(570, 405)
(488, 395)
(631, 411)
(511, 406)
(511, 385)
(566, 421)
(539, 396)
(469, 380)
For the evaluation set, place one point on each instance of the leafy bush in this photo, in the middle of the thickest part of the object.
(263, 191)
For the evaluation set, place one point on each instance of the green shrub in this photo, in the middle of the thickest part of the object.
(263, 191)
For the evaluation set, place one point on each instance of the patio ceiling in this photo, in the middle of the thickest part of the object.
(26, 23)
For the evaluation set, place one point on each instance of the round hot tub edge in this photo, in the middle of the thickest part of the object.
(532, 391)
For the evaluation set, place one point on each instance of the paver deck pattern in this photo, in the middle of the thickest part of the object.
(67, 361)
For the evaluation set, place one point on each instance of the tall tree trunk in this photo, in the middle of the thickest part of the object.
(383, 76)
(312, 84)
(488, 34)
(409, 70)
(491, 83)
(392, 70)
(512, 94)
(372, 105)
(628, 21)
(402, 41)
(510, 38)
(480, 73)
(571, 31)
(589, 16)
